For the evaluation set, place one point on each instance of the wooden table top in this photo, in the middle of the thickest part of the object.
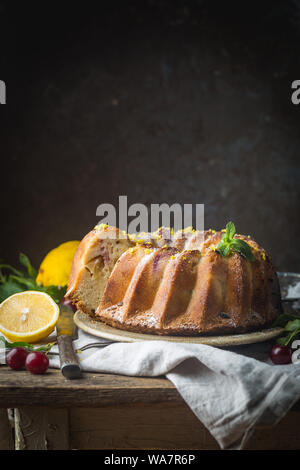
(21, 388)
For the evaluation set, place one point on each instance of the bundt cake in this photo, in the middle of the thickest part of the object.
(174, 284)
(92, 265)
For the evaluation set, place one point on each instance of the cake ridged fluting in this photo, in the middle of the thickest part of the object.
(173, 284)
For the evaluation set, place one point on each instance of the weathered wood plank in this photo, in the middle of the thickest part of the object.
(52, 389)
(138, 426)
(20, 388)
(283, 436)
(41, 428)
(6, 438)
(135, 426)
(164, 426)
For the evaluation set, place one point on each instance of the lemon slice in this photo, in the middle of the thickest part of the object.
(28, 316)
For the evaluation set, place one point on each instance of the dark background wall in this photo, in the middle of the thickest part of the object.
(162, 101)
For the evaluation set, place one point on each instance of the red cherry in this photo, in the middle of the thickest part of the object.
(37, 362)
(16, 357)
(68, 302)
(281, 354)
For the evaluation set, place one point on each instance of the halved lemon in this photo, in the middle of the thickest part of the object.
(28, 316)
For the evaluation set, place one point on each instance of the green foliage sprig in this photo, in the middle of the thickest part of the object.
(291, 323)
(13, 280)
(28, 346)
(228, 244)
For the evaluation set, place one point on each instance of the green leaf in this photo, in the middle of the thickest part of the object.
(11, 268)
(8, 289)
(20, 281)
(284, 318)
(228, 244)
(24, 260)
(230, 230)
(282, 340)
(292, 336)
(242, 248)
(29, 283)
(57, 293)
(223, 248)
(292, 325)
(45, 347)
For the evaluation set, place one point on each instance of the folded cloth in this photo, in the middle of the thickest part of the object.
(230, 392)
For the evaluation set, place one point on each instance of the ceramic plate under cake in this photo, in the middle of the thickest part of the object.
(100, 329)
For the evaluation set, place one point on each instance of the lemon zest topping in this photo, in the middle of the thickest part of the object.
(100, 226)
(188, 229)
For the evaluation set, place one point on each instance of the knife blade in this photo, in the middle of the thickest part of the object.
(66, 332)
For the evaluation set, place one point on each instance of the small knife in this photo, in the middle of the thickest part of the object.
(66, 332)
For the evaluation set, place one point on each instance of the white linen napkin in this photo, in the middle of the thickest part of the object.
(228, 391)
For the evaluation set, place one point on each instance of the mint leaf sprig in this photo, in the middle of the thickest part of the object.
(228, 244)
(28, 346)
(291, 323)
(13, 280)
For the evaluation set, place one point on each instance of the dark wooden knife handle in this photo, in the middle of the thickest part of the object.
(69, 364)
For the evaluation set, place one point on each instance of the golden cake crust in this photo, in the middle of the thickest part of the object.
(181, 285)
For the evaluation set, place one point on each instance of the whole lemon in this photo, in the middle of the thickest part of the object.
(56, 266)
